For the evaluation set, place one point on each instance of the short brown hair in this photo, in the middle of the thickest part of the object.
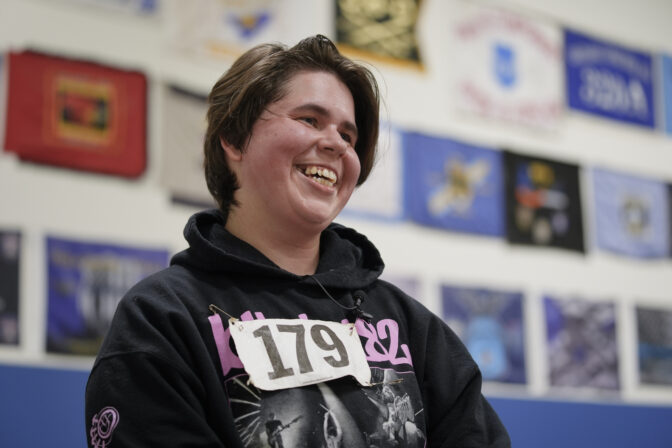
(257, 79)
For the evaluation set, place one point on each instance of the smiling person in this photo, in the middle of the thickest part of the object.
(274, 313)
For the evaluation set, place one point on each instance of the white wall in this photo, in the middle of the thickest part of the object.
(41, 200)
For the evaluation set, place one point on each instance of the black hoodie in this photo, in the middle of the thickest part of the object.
(168, 374)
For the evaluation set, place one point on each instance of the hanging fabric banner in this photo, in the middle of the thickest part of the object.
(506, 66)
(215, 28)
(137, 7)
(10, 258)
(581, 343)
(490, 323)
(85, 282)
(76, 114)
(183, 131)
(381, 196)
(654, 345)
(543, 204)
(384, 32)
(631, 214)
(453, 185)
(666, 77)
(609, 80)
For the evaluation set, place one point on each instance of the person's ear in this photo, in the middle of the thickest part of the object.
(231, 151)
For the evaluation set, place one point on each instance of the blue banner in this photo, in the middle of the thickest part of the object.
(581, 343)
(452, 185)
(631, 214)
(654, 345)
(609, 80)
(85, 283)
(666, 64)
(490, 323)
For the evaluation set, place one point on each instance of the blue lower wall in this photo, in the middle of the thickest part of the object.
(42, 407)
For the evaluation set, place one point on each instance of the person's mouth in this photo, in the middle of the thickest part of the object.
(319, 174)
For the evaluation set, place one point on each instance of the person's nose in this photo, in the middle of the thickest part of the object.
(332, 141)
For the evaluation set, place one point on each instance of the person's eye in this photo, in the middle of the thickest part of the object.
(346, 137)
(310, 120)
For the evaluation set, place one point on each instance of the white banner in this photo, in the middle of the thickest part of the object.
(183, 131)
(381, 196)
(224, 27)
(506, 66)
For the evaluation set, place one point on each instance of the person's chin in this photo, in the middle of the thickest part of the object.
(317, 216)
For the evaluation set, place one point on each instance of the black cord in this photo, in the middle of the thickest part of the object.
(358, 297)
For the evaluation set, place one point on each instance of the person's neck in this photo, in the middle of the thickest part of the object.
(294, 251)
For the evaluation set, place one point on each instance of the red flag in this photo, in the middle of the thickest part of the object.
(76, 114)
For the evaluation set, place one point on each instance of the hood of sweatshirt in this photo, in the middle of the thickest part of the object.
(347, 259)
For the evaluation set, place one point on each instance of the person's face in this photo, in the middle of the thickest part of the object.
(299, 166)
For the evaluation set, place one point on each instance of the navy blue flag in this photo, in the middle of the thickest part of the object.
(654, 344)
(666, 64)
(85, 283)
(631, 214)
(453, 185)
(543, 205)
(10, 255)
(490, 323)
(609, 80)
(581, 342)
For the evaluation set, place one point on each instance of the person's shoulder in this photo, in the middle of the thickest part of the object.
(162, 289)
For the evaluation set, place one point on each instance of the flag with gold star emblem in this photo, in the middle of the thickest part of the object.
(453, 185)
(215, 28)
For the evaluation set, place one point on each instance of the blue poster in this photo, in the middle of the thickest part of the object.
(453, 185)
(143, 7)
(490, 323)
(581, 343)
(654, 345)
(631, 214)
(666, 64)
(85, 283)
(609, 80)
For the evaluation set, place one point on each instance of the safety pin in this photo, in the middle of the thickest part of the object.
(397, 381)
(215, 309)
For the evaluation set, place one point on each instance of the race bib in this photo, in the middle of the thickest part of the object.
(287, 353)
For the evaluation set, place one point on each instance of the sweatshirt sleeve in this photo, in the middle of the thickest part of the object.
(138, 400)
(457, 413)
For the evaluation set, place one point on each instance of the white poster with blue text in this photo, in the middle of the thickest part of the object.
(506, 66)
(609, 80)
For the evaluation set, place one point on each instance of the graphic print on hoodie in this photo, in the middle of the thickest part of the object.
(338, 413)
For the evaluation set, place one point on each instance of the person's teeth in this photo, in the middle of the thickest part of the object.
(322, 175)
